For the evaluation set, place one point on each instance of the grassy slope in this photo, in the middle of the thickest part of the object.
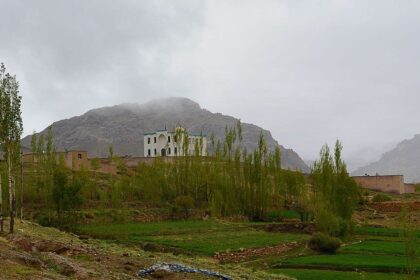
(198, 237)
(99, 259)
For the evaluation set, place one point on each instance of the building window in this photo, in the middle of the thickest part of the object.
(169, 139)
(148, 140)
(155, 151)
(176, 150)
(155, 140)
(149, 153)
(169, 151)
(79, 156)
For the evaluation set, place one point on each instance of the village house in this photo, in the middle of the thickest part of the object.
(162, 143)
(75, 160)
(385, 183)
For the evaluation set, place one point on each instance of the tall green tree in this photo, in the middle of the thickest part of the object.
(336, 193)
(10, 132)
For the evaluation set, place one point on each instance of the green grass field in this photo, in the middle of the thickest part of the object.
(127, 230)
(379, 231)
(311, 274)
(350, 262)
(210, 243)
(381, 249)
(198, 237)
(377, 247)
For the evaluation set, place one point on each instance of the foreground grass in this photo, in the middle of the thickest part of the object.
(114, 259)
(199, 237)
(125, 230)
(210, 243)
(378, 247)
(311, 274)
(349, 262)
(380, 231)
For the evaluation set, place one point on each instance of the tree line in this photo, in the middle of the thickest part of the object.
(230, 182)
(10, 133)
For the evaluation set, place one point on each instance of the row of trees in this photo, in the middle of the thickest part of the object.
(232, 181)
(10, 133)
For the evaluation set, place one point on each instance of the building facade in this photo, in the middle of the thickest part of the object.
(163, 143)
(385, 183)
(75, 160)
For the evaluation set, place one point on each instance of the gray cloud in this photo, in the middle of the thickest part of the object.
(310, 71)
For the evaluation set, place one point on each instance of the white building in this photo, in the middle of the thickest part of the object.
(162, 143)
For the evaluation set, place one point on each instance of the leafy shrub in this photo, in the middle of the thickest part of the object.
(346, 228)
(280, 215)
(324, 243)
(184, 203)
(327, 222)
(380, 197)
(43, 220)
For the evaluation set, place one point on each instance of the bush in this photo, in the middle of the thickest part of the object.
(184, 203)
(324, 243)
(380, 197)
(44, 220)
(327, 222)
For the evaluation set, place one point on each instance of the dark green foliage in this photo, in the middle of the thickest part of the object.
(324, 243)
(230, 182)
(11, 129)
(184, 203)
(381, 197)
(417, 188)
(336, 193)
(66, 195)
(409, 235)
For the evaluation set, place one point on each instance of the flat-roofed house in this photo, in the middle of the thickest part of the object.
(385, 183)
(73, 159)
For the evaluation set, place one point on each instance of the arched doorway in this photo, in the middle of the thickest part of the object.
(163, 152)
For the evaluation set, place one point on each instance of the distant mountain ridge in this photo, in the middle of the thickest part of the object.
(403, 159)
(123, 126)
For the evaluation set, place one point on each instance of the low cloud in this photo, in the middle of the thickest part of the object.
(309, 71)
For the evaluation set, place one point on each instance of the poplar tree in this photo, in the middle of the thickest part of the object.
(10, 132)
(336, 192)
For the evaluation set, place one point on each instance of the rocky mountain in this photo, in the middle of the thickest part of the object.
(403, 159)
(123, 127)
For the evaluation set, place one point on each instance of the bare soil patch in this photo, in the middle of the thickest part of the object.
(247, 254)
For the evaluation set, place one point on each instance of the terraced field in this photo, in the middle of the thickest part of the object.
(379, 255)
(197, 237)
(375, 253)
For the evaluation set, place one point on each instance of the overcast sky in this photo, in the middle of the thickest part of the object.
(309, 71)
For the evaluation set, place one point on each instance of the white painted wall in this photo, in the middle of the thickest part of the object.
(157, 141)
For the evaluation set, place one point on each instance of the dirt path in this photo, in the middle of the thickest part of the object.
(247, 254)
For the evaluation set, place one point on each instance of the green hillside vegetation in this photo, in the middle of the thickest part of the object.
(196, 237)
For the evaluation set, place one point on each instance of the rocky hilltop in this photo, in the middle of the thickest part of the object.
(123, 127)
(403, 159)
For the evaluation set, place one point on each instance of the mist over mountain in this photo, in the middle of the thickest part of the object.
(123, 126)
(366, 155)
(403, 159)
